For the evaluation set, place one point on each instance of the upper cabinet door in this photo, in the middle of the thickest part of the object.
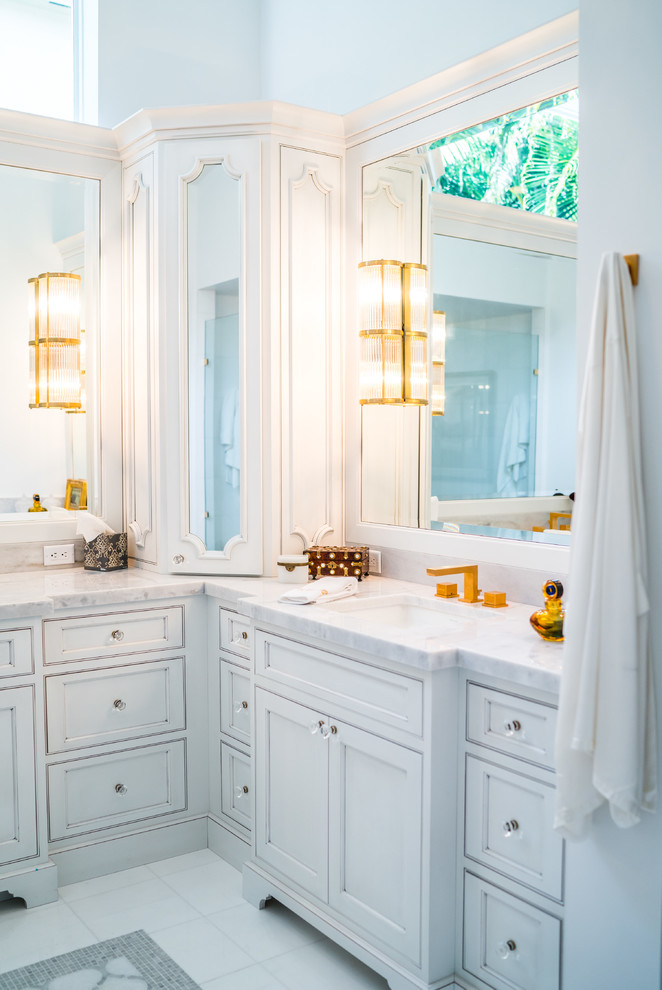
(213, 452)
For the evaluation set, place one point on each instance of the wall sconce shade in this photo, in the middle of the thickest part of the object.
(393, 333)
(438, 348)
(54, 342)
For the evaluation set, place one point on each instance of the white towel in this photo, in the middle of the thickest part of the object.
(322, 590)
(605, 743)
(514, 454)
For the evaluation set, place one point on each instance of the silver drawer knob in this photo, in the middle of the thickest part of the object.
(240, 791)
(117, 635)
(178, 559)
(240, 706)
(120, 789)
(315, 726)
(505, 948)
(327, 730)
(512, 726)
(119, 704)
(510, 827)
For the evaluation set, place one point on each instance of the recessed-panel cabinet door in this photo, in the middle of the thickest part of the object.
(18, 824)
(375, 798)
(291, 792)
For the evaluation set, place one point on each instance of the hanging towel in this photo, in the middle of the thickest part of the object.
(514, 454)
(323, 590)
(605, 742)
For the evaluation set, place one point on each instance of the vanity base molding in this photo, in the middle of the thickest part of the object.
(234, 849)
(96, 858)
(259, 887)
(36, 885)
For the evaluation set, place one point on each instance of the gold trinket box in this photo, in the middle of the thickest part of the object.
(338, 562)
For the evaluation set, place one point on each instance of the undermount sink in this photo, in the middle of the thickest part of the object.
(404, 612)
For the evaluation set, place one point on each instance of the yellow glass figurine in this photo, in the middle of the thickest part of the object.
(548, 621)
(36, 505)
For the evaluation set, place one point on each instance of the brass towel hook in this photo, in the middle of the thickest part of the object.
(632, 261)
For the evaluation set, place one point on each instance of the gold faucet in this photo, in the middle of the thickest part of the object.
(471, 589)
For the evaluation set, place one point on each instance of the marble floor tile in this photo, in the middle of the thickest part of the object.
(101, 885)
(189, 861)
(252, 978)
(209, 888)
(202, 950)
(42, 932)
(323, 964)
(267, 933)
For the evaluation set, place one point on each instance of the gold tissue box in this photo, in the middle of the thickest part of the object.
(338, 562)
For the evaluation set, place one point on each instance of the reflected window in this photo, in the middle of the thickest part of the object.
(526, 160)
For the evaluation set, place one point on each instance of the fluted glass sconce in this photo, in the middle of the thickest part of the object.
(54, 342)
(438, 348)
(393, 333)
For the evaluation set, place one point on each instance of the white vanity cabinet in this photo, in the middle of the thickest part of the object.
(126, 732)
(230, 738)
(353, 826)
(24, 867)
(511, 865)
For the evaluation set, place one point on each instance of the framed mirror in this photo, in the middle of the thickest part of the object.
(496, 457)
(57, 210)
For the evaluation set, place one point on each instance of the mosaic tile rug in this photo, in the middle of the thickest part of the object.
(130, 962)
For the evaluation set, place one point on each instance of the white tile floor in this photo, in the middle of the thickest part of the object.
(192, 906)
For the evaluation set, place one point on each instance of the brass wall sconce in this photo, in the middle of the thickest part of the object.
(393, 333)
(54, 341)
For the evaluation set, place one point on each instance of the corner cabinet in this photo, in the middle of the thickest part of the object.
(232, 264)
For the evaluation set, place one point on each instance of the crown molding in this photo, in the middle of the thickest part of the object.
(49, 133)
(542, 48)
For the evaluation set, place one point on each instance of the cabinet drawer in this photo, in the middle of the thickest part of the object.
(101, 706)
(235, 634)
(511, 724)
(509, 826)
(15, 652)
(236, 790)
(115, 789)
(381, 697)
(113, 634)
(508, 943)
(236, 715)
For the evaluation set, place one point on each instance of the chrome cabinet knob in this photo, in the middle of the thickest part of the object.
(510, 827)
(512, 726)
(505, 948)
(120, 789)
(119, 704)
(315, 726)
(178, 559)
(240, 706)
(240, 791)
(117, 635)
(328, 730)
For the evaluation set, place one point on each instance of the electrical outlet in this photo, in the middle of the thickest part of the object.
(375, 561)
(61, 553)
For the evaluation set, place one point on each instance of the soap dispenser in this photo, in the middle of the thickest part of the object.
(548, 621)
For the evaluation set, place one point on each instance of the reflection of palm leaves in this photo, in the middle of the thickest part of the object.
(527, 160)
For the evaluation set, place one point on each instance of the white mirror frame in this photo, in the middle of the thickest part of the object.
(531, 68)
(50, 145)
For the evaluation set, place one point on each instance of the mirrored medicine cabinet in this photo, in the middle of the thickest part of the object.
(494, 457)
(54, 209)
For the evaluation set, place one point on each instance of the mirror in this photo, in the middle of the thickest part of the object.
(214, 410)
(496, 456)
(50, 224)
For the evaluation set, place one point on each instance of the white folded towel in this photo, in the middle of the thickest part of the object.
(605, 741)
(323, 590)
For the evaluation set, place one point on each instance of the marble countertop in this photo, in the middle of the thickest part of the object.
(446, 633)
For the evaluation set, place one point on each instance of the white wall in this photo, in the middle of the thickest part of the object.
(340, 56)
(155, 53)
(620, 210)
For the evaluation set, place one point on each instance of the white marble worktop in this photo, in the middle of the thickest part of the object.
(499, 642)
